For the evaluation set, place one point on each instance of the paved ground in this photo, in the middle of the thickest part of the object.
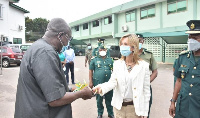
(162, 92)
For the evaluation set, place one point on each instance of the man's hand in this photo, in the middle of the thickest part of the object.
(71, 62)
(87, 93)
(172, 109)
(97, 89)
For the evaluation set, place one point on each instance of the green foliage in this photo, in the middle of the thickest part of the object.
(35, 28)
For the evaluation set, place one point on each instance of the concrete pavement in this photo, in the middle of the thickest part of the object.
(162, 92)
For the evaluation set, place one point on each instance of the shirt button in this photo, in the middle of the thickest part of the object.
(106, 75)
(190, 94)
(192, 76)
(105, 70)
(135, 88)
(135, 96)
(191, 85)
(195, 68)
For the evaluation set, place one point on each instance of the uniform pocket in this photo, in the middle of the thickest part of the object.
(183, 69)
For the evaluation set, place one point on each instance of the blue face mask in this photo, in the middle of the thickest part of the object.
(125, 50)
(140, 46)
(64, 48)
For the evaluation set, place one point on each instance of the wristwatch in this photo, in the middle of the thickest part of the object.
(172, 100)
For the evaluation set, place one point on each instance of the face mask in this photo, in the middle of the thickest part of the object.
(125, 50)
(89, 47)
(193, 45)
(64, 47)
(140, 46)
(102, 53)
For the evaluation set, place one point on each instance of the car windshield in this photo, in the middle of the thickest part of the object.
(16, 50)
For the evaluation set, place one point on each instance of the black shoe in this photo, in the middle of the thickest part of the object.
(110, 116)
(73, 83)
(100, 116)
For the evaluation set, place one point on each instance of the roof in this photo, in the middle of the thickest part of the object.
(17, 7)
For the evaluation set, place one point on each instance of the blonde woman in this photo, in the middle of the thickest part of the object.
(130, 81)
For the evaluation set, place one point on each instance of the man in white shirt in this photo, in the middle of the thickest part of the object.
(69, 56)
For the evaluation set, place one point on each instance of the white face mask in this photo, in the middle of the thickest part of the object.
(193, 45)
(102, 53)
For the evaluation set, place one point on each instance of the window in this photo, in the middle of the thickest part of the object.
(174, 6)
(95, 23)
(1, 11)
(76, 28)
(17, 41)
(130, 16)
(107, 20)
(147, 12)
(85, 26)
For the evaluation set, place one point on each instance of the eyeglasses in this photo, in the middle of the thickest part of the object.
(69, 39)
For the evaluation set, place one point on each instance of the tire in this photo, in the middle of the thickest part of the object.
(18, 64)
(80, 53)
(5, 63)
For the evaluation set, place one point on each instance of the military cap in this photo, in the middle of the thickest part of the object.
(102, 46)
(89, 44)
(139, 35)
(101, 40)
(194, 26)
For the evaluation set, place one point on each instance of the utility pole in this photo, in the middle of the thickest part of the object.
(1, 36)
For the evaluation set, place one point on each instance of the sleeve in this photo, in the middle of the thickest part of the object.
(92, 65)
(176, 72)
(153, 63)
(73, 57)
(111, 84)
(46, 68)
(146, 90)
(175, 63)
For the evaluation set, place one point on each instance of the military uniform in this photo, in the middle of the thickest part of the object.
(188, 102)
(88, 55)
(95, 51)
(148, 57)
(101, 73)
(174, 65)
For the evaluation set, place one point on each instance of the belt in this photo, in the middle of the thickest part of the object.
(127, 103)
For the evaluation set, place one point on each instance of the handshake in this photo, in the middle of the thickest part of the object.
(86, 91)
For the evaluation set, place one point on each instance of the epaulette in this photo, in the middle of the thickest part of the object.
(184, 52)
(93, 57)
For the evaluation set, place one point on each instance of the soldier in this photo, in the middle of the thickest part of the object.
(100, 72)
(187, 71)
(96, 50)
(88, 54)
(148, 57)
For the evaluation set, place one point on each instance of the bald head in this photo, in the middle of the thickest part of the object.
(56, 26)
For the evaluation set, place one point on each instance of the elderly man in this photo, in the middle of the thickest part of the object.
(42, 90)
(187, 71)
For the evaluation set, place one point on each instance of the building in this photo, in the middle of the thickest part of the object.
(12, 22)
(162, 23)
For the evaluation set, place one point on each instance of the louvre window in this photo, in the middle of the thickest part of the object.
(108, 20)
(174, 6)
(130, 16)
(147, 12)
(76, 28)
(85, 26)
(95, 23)
(17, 41)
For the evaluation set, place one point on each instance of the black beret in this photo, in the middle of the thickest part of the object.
(194, 26)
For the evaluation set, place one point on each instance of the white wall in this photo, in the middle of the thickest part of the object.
(177, 19)
(9, 25)
(198, 9)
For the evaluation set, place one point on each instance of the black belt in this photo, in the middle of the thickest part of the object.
(127, 103)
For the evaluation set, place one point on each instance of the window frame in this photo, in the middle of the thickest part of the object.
(95, 23)
(76, 28)
(18, 42)
(176, 2)
(109, 20)
(85, 26)
(129, 13)
(1, 11)
(147, 8)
